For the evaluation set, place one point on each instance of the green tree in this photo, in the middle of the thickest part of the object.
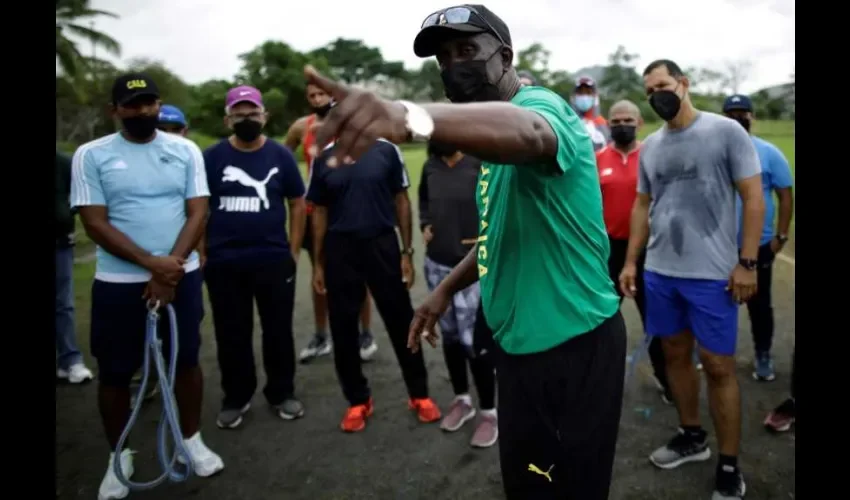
(352, 61)
(535, 60)
(276, 65)
(69, 16)
(425, 84)
(82, 105)
(172, 89)
(206, 109)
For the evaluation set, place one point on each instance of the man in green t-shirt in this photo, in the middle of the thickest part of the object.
(541, 255)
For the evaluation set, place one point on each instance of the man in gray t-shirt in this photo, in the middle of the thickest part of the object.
(690, 176)
(689, 173)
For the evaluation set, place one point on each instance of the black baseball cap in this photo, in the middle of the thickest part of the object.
(463, 19)
(132, 85)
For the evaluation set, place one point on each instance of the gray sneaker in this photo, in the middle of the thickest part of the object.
(319, 345)
(680, 450)
(290, 409)
(231, 418)
(763, 365)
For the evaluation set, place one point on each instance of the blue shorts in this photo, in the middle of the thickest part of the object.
(118, 320)
(703, 307)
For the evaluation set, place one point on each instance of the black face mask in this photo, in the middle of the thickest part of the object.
(440, 149)
(745, 122)
(623, 135)
(665, 103)
(247, 130)
(322, 111)
(467, 81)
(140, 127)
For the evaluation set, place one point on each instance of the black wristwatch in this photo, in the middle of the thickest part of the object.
(407, 251)
(748, 264)
(782, 238)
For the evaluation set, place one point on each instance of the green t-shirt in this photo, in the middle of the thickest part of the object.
(542, 246)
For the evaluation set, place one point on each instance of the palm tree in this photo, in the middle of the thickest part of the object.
(69, 13)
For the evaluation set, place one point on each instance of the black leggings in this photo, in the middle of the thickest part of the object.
(457, 357)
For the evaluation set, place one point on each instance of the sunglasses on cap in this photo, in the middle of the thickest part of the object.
(458, 15)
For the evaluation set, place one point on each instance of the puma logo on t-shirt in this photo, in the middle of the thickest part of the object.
(245, 203)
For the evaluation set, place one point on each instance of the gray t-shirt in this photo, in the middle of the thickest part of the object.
(690, 175)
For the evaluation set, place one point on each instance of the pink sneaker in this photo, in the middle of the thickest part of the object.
(460, 412)
(486, 432)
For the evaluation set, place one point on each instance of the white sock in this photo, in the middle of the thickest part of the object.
(195, 437)
(489, 413)
(466, 398)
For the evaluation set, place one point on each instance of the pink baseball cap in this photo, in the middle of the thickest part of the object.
(244, 93)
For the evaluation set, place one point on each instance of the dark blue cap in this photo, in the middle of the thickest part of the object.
(737, 102)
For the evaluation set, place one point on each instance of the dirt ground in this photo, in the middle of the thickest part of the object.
(398, 458)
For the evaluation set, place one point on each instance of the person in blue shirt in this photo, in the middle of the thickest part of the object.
(354, 217)
(173, 121)
(252, 179)
(142, 197)
(776, 178)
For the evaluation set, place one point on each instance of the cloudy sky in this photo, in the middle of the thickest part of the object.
(201, 39)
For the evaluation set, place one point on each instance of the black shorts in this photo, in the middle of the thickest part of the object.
(559, 414)
(118, 326)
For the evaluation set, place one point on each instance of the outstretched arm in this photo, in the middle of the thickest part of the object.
(497, 132)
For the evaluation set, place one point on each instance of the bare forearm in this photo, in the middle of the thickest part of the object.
(202, 242)
(785, 212)
(115, 242)
(297, 223)
(753, 223)
(638, 232)
(463, 274)
(190, 235)
(319, 220)
(405, 220)
(494, 132)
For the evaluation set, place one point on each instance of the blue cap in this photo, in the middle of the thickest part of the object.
(737, 102)
(171, 114)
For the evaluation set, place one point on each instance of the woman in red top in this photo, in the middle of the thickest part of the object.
(301, 133)
(618, 164)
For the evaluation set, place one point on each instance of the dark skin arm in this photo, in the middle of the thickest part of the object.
(785, 211)
(294, 134)
(297, 223)
(495, 131)
(96, 223)
(404, 216)
(319, 219)
(193, 229)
